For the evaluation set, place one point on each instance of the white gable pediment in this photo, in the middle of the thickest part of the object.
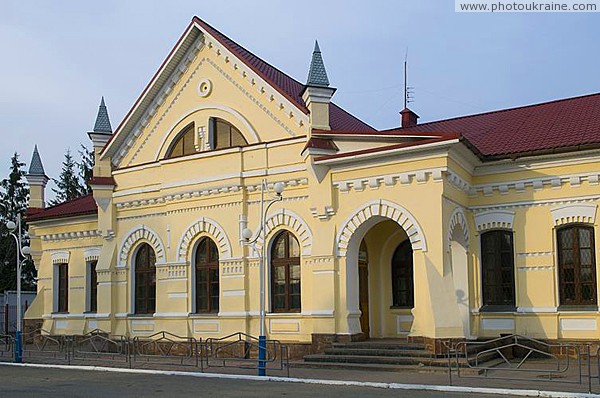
(201, 74)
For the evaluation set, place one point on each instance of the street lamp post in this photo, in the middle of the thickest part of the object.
(23, 251)
(246, 235)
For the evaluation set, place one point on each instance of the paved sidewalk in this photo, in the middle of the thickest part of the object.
(568, 382)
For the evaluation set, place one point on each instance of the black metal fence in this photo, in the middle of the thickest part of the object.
(240, 350)
(162, 348)
(523, 359)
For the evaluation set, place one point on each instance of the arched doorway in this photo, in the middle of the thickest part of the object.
(383, 269)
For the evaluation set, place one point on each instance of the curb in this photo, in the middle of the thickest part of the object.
(350, 383)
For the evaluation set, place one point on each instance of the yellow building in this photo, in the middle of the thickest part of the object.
(463, 228)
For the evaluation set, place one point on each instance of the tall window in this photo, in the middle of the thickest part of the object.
(402, 276)
(224, 135)
(184, 143)
(285, 273)
(576, 265)
(63, 287)
(93, 286)
(145, 280)
(207, 276)
(497, 269)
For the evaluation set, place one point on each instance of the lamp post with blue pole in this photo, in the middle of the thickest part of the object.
(22, 251)
(246, 235)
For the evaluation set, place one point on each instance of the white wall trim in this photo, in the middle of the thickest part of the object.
(292, 221)
(577, 213)
(142, 232)
(60, 257)
(207, 226)
(382, 208)
(493, 219)
(458, 218)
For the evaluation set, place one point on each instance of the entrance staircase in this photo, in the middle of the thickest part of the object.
(384, 355)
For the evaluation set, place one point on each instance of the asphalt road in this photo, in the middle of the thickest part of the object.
(44, 382)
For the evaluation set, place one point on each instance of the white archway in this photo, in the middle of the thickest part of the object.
(293, 222)
(141, 233)
(209, 227)
(382, 209)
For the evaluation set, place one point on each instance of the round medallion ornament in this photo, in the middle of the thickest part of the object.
(204, 87)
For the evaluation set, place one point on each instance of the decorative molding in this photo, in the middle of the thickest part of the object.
(386, 209)
(209, 227)
(204, 87)
(518, 186)
(293, 222)
(92, 253)
(71, 235)
(536, 203)
(141, 233)
(198, 193)
(60, 257)
(389, 180)
(324, 215)
(163, 93)
(273, 96)
(580, 213)
(494, 219)
(232, 267)
(458, 218)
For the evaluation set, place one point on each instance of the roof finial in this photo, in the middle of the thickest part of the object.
(317, 76)
(102, 124)
(36, 168)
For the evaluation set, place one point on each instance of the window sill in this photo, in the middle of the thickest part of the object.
(140, 316)
(578, 308)
(498, 309)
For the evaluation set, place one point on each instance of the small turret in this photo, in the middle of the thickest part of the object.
(37, 179)
(100, 136)
(317, 93)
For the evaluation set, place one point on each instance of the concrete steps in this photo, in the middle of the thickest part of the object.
(384, 355)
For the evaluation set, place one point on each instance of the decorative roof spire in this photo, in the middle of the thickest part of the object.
(102, 121)
(317, 76)
(36, 168)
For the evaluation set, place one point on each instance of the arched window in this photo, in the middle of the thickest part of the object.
(184, 143)
(145, 280)
(402, 276)
(207, 276)
(576, 265)
(285, 273)
(224, 135)
(497, 270)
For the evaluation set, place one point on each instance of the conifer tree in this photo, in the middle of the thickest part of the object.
(14, 200)
(68, 185)
(86, 168)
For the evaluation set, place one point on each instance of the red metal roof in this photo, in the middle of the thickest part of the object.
(556, 126)
(286, 85)
(76, 207)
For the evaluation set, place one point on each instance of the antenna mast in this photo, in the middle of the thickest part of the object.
(405, 82)
(408, 93)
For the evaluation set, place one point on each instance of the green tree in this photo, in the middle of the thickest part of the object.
(14, 199)
(86, 168)
(68, 184)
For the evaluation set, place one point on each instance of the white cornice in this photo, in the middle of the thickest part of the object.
(389, 180)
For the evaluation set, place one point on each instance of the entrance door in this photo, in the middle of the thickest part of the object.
(363, 288)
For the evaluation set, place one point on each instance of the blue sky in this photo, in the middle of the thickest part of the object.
(60, 57)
